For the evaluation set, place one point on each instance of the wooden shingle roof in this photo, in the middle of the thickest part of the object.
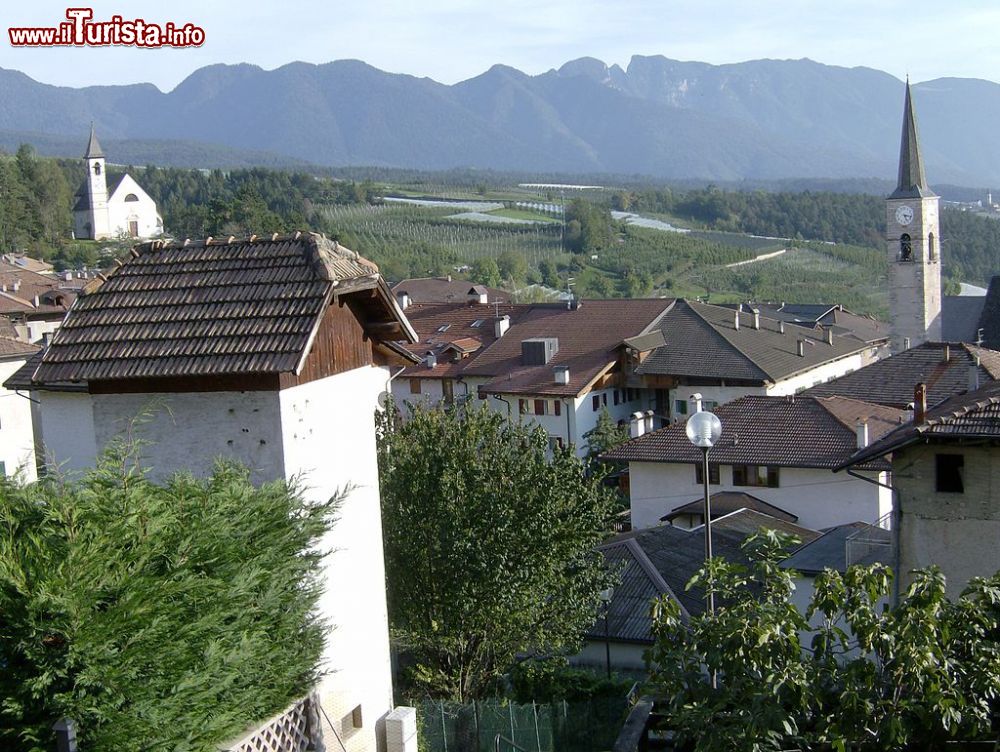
(212, 307)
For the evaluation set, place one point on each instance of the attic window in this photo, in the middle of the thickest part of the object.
(949, 472)
(477, 323)
(443, 328)
(131, 197)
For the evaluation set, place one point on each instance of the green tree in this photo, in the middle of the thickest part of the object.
(605, 435)
(489, 545)
(485, 272)
(157, 615)
(846, 674)
(512, 266)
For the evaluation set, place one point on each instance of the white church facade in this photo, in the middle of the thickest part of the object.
(126, 210)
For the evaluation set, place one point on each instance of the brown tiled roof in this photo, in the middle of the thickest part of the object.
(457, 320)
(726, 502)
(15, 348)
(211, 307)
(757, 430)
(973, 415)
(890, 381)
(446, 290)
(589, 340)
(750, 521)
(30, 285)
(702, 341)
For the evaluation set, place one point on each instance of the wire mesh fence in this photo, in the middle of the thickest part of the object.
(578, 726)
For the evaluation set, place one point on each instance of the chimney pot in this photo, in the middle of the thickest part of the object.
(862, 434)
(756, 319)
(974, 374)
(637, 425)
(946, 353)
(736, 318)
(781, 327)
(696, 399)
(800, 348)
(906, 343)
(649, 420)
(919, 403)
(828, 336)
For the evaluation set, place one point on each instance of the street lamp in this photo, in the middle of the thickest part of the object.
(606, 596)
(703, 430)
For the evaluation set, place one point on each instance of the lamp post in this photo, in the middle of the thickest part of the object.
(606, 596)
(703, 430)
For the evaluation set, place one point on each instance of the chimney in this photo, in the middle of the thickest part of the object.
(17, 285)
(946, 353)
(828, 335)
(696, 400)
(637, 425)
(862, 434)
(736, 320)
(781, 327)
(800, 348)
(756, 319)
(68, 276)
(974, 374)
(403, 298)
(34, 301)
(649, 420)
(561, 374)
(500, 326)
(919, 403)
(431, 360)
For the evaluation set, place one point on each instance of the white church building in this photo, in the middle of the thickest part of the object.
(127, 209)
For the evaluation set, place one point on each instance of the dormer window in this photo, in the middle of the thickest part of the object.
(905, 247)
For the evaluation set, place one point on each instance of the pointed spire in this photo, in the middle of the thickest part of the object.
(93, 148)
(912, 182)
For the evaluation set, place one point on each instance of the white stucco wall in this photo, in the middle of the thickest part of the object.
(821, 374)
(328, 431)
(820, 498)
(17, 439)
(67, 431)
(142, 211)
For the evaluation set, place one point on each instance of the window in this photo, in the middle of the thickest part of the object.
(414, 386)
(931, 250)
(443, 328)
(680, 407)
(522, 406)
(709, 405)
(756, 475)
(131, 198)
(97, 168)
(604, 399)
(477, 323)
(448, 391)
(540, 407)
(557, 407)
(905, 247)
(617, 397)
(713, 474)
(949, 473)
(555, 442)
(596, 402)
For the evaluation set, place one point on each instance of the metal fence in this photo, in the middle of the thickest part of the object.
(580, 726)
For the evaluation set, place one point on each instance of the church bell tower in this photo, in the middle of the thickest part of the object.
(913, 245)
(97, 189)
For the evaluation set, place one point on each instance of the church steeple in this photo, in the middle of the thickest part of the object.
(912, 182)
(93, 147)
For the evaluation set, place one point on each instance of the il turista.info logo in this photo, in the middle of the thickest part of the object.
(80, 30)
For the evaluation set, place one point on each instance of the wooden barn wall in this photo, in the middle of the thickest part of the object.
(340, 346)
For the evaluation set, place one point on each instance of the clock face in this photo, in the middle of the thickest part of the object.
(904, 214)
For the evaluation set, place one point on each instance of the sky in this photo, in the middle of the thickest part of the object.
(453, 40)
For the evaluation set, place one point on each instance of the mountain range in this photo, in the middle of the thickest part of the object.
(764, 119)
